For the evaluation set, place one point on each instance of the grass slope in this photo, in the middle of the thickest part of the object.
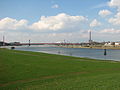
(22, 70)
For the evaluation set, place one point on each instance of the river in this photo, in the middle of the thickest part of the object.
(77, 52)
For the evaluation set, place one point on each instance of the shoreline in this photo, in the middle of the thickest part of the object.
(84, 57)
(76, 46)
(96, 59)
(93, 47)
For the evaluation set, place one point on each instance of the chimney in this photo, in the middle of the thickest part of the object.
(90, 37)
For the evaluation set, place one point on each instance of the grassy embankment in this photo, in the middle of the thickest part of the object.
(21, 70)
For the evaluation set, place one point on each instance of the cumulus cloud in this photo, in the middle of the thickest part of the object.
(115, 20)
(12, 24)
(95, 23)
(61, 21)
(114, 3)
(55, 6)
(104, 13)
(58, 22)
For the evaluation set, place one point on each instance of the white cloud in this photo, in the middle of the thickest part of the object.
(44, 37)
(12, 24)
(104, 13)
(95, 23)
(61, 21)
(110, 31)
(55, 6)
(115, 20)
(114, 3)
(58, 22)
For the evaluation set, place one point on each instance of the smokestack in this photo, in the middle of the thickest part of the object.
(90, 38)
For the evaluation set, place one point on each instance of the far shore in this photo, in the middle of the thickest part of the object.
(94, 47)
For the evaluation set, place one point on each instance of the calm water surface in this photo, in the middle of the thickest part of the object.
(77, 52)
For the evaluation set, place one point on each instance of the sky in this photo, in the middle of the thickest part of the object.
(59, 20)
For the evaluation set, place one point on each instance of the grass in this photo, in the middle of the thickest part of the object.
(22, 70)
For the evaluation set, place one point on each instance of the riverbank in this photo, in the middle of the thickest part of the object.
(94, 47)
(72, 46)
(40, 71)
(77, 52)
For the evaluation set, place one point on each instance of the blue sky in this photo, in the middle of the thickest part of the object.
(62, 19)
(33, 9)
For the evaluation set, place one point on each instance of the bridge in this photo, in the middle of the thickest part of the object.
(48, 44)
(20, 44)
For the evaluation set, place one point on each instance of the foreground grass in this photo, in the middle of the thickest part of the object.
(21, 70)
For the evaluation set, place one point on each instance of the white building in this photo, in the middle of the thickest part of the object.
(117, 43)
(112, 44)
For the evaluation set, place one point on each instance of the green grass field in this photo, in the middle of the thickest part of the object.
(22, 70)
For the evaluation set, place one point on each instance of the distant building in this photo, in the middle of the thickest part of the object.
(3, 43)
(117, 43)
(112, 44)
(9, 44)
(108, 44)
(15, 43)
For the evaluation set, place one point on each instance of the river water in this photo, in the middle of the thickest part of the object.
(77, 52)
